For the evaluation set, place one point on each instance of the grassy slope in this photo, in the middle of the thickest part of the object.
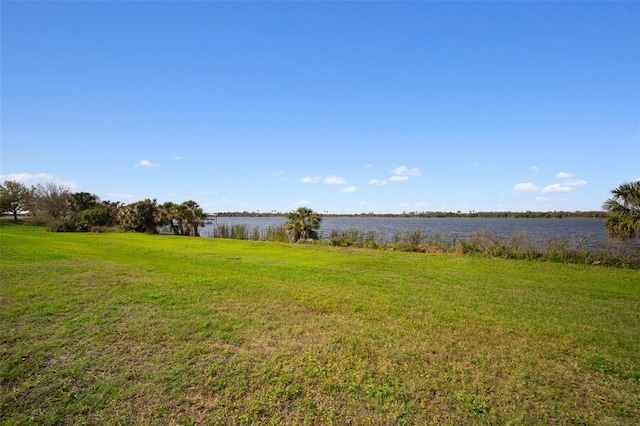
(126, 328)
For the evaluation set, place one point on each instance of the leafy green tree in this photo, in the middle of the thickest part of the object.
(14, 197)
(81, 201)
(623, 219)
(142, 216)
(102, 214)
(302, 224)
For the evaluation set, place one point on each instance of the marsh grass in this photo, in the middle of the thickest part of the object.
(489, 243)
(236, 231)
(271, 233)
(153, 329)
(242, 232)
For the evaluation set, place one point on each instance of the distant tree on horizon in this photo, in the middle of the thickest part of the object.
(623, 220)
(302, 223)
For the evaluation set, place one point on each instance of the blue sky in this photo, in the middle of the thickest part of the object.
(344, 107)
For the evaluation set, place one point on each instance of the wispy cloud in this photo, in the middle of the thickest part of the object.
(575, 182)
(556, 187)
(526, 187)
(534, 168)
(303, 203)
(280, 175)
(311, 179)
(566, 185)
(377, 182)
(146, 163)
(349, 189)
(399, 174)
(405, 171)
(177, 158)
(328, 180)
(334, 180)
(29, 179)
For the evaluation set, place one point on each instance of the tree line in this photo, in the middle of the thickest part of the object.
(63, 210)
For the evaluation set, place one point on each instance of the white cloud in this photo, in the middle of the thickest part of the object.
(303, 203)
(534, 168)
(367, 166)
(556, 187)
(565, 186)
(311, 179)
(405, 171)
(29, 179)
(177, 158)
(526, 187)
(377, 182)
(329, 180)
(334, 180)
(398, 178)
(146, 163)
(542, 199)
(349, 189)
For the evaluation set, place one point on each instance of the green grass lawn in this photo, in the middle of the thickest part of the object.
(149, 329)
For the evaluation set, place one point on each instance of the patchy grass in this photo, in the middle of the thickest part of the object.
(149, 329)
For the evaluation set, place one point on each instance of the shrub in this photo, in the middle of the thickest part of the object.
(64, 225)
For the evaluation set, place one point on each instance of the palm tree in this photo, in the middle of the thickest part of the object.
(623, 220)
(170, 211)
(185, 218)
(142, 216)
(302, 224)
(194, 217)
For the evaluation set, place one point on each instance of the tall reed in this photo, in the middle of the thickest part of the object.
(236, 231)
(270, 233)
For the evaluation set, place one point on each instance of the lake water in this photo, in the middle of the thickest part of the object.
(540, 229)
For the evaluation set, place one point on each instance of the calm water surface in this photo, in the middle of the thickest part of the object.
(543, 229)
